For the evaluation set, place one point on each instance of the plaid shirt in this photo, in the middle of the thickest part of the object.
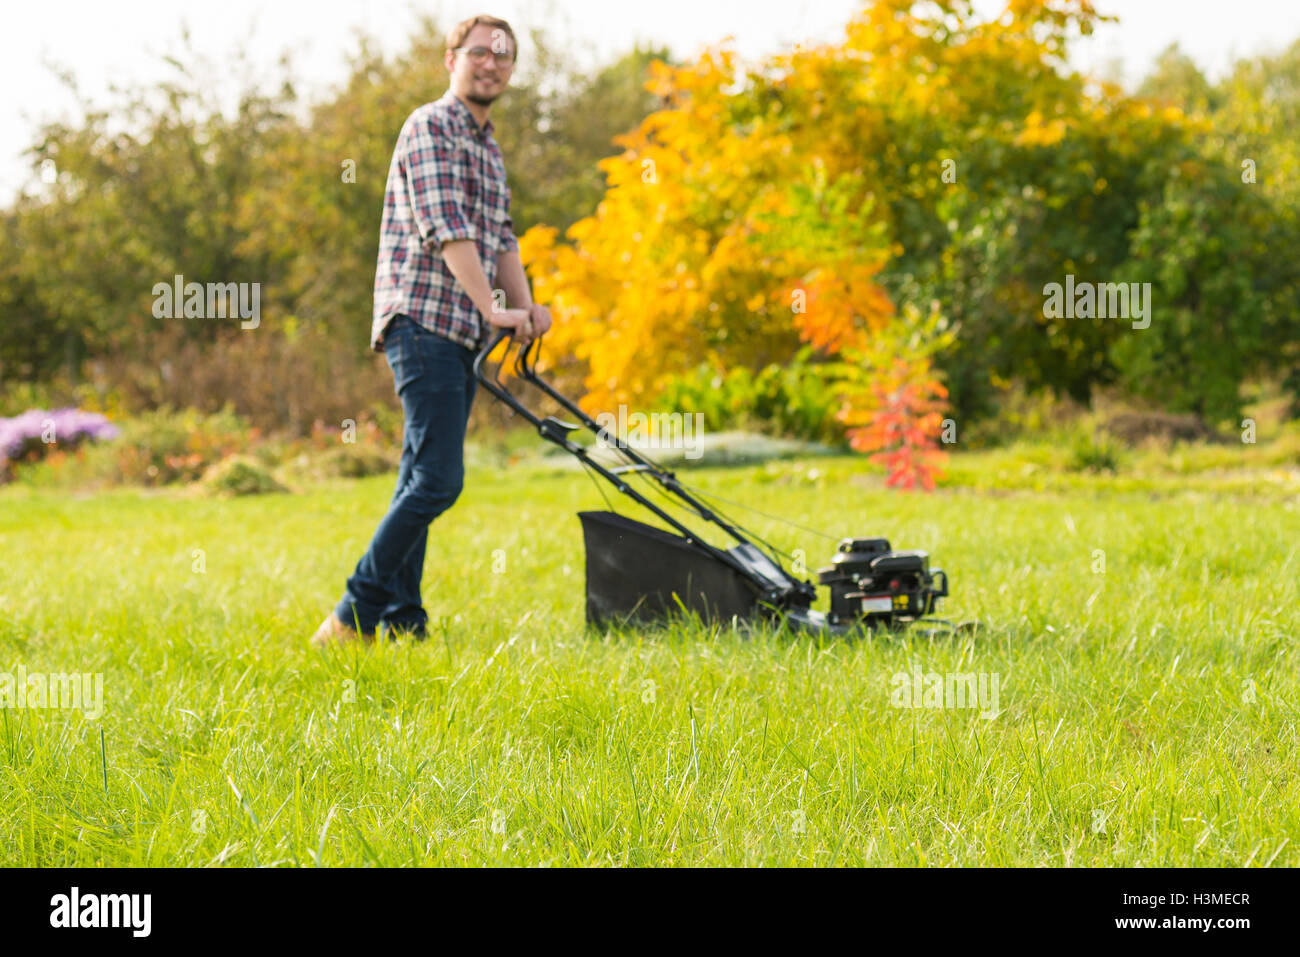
(446, 181)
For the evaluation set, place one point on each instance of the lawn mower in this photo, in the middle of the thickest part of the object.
(643, 573)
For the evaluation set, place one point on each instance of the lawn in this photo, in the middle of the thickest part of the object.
(1143, 638)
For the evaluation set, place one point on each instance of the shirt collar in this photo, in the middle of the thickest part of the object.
(458, 108)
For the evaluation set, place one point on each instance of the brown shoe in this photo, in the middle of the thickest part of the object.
(333, 631)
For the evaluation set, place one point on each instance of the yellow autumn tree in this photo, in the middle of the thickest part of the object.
(718, 240)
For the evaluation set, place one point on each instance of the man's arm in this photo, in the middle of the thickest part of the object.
(514, 281)
(461, 257)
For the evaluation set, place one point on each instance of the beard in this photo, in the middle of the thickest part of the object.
(482, 99)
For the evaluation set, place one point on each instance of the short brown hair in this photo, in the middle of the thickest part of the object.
(461, 30)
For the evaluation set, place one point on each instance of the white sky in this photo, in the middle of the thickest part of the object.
(121, 41)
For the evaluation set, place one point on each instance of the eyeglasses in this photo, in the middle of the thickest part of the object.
(480, 55)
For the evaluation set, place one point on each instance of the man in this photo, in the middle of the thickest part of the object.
(446, 240)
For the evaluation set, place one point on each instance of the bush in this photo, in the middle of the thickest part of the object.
(1094, 453)
(793, 399)
(346, 461)
(166, 446)
(280, 382)
(239, 475)
(1020, 414)
(1134, 428)
(355, 461)
(368, 445)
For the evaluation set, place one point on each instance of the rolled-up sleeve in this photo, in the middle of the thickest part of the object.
(509, 244)
(435, 186)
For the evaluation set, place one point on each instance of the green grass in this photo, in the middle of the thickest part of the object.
(1147, 711)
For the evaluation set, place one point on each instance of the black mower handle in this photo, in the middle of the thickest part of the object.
(553, 430)
(493, 382)
(550, 427)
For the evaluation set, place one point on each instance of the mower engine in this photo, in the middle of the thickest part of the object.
(873, 584)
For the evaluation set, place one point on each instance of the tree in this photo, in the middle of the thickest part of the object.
(284, 193)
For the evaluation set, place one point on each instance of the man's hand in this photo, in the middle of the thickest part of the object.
(541, 317)
(519, 321)
(526, 324)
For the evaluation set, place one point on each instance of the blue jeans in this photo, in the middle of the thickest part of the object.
(434, 377)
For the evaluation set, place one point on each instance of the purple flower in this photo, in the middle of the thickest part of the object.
(70, 426)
